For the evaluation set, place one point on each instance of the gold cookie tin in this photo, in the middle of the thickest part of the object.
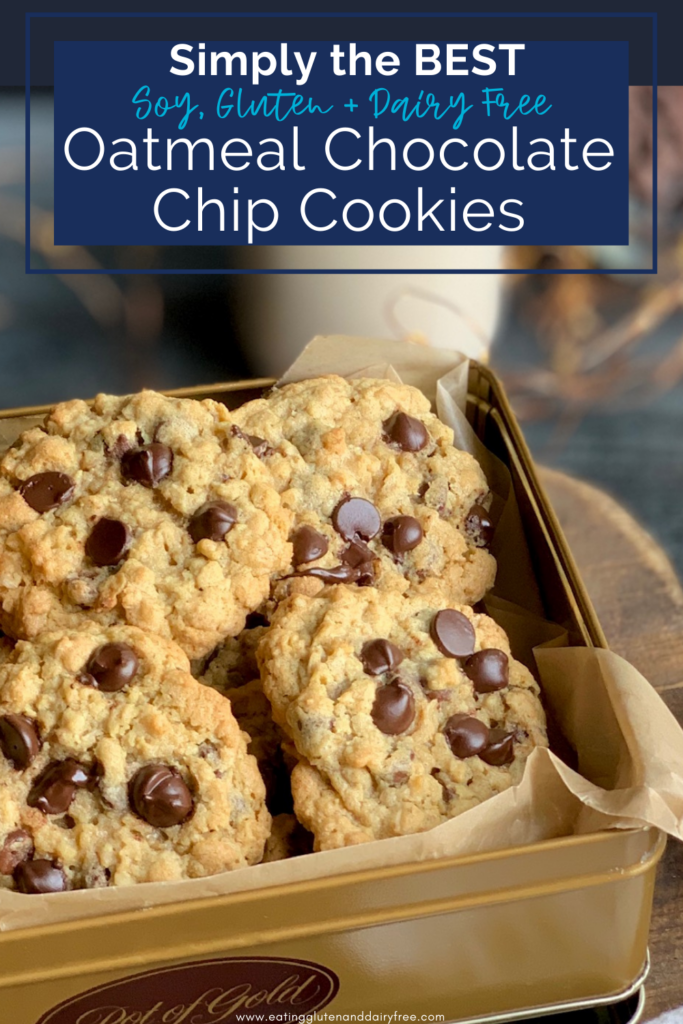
(558, 925)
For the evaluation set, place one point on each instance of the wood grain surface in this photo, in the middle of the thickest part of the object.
(639, 602)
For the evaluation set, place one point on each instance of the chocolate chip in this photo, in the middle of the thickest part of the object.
(358, 566)
(148, 465)
(466, 736)
(359, 555)
(119, 448)
(111, 667)
(401, 534)
(261, 447)
(255, 619)
(335, 574)
(499, 749)
(356, 553)
(213, 521)
(54, 789)
(380, 656)
(453, 633)
(406, 432)
(17, 847)
(479, 526)
(488, 670)
(19, 740)
(108, 542)
(365, 574)
(40, 877)
(356, 519)
(394, 708)
(159, 796)
(46, 491)
(308, 545)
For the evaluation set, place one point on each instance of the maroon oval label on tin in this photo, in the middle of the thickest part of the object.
(208, 992)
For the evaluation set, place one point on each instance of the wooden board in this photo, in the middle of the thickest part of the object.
(639, 602)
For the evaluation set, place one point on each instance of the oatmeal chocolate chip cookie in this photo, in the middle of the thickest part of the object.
(287, 839)
(379, 494)
(233, 671)
(233, 663)
(403, 713)
(252, 709)
(146, 510)
(117, 767)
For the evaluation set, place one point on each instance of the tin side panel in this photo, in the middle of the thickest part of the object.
(472, 962)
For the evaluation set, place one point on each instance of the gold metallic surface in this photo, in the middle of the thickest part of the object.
(558, 924)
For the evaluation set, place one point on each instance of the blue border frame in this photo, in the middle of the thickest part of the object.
(348, 14)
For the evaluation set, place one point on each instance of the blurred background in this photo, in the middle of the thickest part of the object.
(593, 362)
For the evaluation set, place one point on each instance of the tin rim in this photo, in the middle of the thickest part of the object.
(637, 986)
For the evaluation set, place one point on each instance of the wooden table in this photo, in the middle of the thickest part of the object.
(639, 602)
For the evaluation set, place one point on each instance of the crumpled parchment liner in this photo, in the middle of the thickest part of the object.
(627, 745)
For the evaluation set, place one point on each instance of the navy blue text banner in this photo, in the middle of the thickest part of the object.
(284, 143)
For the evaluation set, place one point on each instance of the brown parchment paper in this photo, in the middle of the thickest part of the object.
(626, 748)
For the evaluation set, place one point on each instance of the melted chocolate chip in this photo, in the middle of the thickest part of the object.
(499, 749)
(401, 534)
(17, 847)
(380, 656)
(335, 574)
(488, 670)
(213, 521)
(358, 566)
(159, 796)
(356, 519)
(406, 432)
(453, 633)
(19, 740)
(111, 667)
(255, 619)
(308, 545)
(40, 877)
(466, 736)
(394, 708)
(479, 526)
(356, 553)
(54, 789)
(360, 557)
(148, 465)
(108, 542)
(46, 491)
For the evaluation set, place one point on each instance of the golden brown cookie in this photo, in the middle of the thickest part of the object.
(118, 767)
(403, 713)
(287, 839)
(380, 495)
(147, 510)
